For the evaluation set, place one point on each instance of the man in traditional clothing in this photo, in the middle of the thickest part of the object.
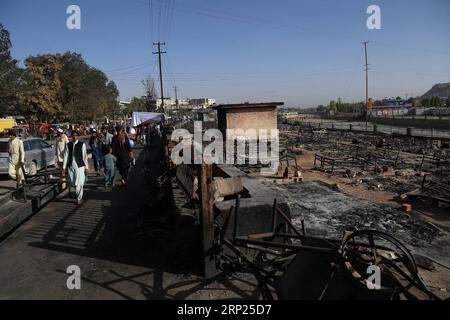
(60, 149)
(16, 158)
(106, 138)
(75, 160)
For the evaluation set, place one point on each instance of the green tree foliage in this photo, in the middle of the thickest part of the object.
(10, 75)
(333, 106)
(413, 101)
(435, 102)
(447, 104)
(349, 107)
(66, 87)
(87, 93)
(136, 105)
(54, 86)
(425, 102)
(41, 89)
(378, 103)
(321, 108)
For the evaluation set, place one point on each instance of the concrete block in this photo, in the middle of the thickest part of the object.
(227, 187)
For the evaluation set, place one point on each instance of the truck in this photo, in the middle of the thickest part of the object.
(7, 123)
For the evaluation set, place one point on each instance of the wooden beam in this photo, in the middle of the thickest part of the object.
(207, 220)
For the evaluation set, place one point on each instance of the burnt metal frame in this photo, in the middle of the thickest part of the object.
(263, 243)
(35, 180)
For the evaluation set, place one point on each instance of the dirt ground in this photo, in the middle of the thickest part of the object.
(437, 216)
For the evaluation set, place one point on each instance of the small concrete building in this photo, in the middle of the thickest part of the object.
(205, 115)
(247, 116)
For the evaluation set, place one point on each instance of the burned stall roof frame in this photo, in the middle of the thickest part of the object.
(247, 105)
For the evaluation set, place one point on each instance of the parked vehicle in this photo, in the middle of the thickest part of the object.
(21, 123)
(6, 124)
(41, 129)
(20, 132)
(38, 155)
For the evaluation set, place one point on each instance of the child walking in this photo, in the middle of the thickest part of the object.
(110, 168)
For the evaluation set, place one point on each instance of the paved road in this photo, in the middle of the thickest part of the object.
(120, 241)
(34, 259)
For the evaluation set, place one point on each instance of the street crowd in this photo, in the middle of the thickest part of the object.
(108, 152)
(111, 148)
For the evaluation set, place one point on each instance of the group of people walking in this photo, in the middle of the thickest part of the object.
(108, 152)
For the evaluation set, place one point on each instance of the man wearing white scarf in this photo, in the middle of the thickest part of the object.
(75, 160)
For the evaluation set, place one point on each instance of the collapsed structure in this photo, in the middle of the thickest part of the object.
(282, 229)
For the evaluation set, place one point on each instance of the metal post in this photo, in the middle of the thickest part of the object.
(274, 213)
(236, 215)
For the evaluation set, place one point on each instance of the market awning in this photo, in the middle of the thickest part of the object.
(143, 117)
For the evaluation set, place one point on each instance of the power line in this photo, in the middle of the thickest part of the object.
(128, 67)
(170, 20)
(150, 16)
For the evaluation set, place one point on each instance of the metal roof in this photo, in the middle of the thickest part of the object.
(247, 105)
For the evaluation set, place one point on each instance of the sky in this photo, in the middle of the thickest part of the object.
(302, 52)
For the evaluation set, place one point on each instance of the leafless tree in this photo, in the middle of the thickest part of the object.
(149, 87)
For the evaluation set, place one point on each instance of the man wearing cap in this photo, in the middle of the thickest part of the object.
(16, 158)
(75, 160)
(60, 148)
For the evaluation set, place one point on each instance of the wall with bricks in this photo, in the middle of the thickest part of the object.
(250, 118)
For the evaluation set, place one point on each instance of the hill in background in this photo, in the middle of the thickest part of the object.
(441, 90)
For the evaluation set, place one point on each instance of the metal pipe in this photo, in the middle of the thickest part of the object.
(236, 211)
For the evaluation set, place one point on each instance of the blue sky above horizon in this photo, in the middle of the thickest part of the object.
(302, 52)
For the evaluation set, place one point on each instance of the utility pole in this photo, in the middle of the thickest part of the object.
(160, 70)
(176, 97)
(367, 82)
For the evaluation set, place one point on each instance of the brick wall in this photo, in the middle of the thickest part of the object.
(251, 118)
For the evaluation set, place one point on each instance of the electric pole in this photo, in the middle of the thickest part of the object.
(176, 97)
(367, 82)
(160, 70)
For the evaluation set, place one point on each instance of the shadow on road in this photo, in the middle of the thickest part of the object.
(130, 225)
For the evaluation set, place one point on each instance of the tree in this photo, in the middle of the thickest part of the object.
(42, 88)
(72, 76)
(136, 105)
(425, 102)
(87, 93)
(378, 103)
(413, 101)
(321, 108)
(112, 94)
(150, 92)
(149, 88)
(54, 86)
(436, 102)
(10, 74)
(447, 104)
(333, 106)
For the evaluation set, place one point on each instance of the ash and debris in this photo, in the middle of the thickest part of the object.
(392, 184)
(328, 212)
